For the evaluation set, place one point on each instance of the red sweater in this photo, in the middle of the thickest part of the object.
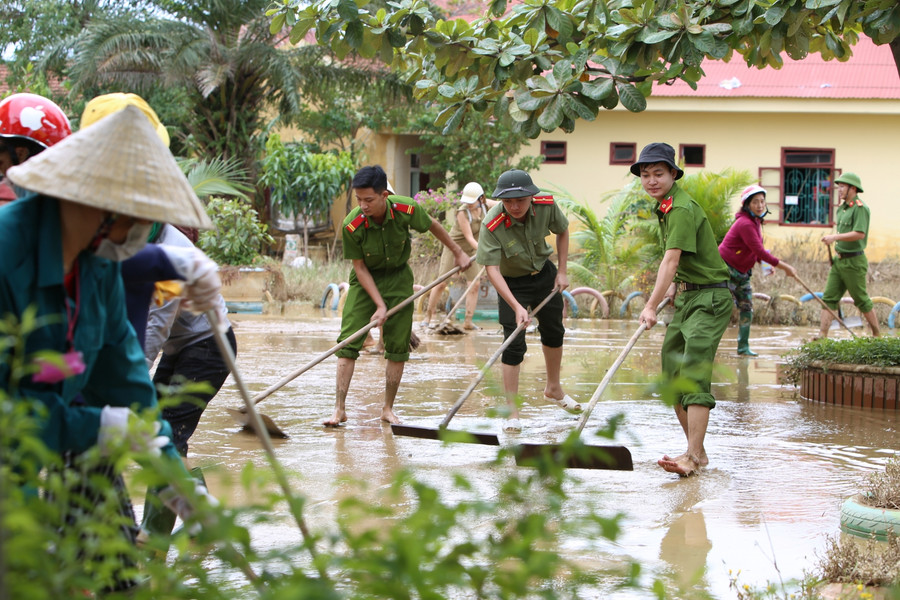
(743, 245)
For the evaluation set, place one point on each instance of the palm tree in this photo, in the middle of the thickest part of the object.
(224, 64)
(605, 256)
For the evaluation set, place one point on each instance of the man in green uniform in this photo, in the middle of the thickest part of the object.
(693, 267)
(376, 239)
(513, 249)
(848, 270)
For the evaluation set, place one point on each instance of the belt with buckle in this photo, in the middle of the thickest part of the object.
(849, 254)
(692, 287)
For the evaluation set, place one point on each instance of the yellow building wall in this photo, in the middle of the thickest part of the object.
(744, 134)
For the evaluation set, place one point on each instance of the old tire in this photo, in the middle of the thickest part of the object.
(867, 521)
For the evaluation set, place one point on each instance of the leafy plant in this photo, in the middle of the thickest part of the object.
(238, 235)
(872, 351)
(216, 177)
(548, 65)
(414, 543)
(304, 184)
(479, 150)
(606, 257)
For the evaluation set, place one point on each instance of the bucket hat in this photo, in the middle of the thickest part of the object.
(850, 179)
(118, 164)
(515, 183)
(471, 193)
(654, 153)
(107, 104)
(750, 191)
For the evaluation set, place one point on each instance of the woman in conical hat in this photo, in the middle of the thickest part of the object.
(97, 188)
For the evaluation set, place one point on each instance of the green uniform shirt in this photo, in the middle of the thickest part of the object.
(385, 246)
(854, 217)
(519, 248)
(684, 226)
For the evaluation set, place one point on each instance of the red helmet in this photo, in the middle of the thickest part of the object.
(32, 119)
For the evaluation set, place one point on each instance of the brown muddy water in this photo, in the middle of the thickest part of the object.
(779, 465)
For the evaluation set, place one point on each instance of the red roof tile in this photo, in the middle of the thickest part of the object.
(869, 73)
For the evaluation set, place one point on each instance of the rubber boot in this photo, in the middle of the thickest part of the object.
(157, 524)
(744, 334)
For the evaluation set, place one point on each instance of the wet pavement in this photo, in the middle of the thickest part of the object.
(779, 465)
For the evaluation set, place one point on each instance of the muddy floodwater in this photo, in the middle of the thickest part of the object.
(779, 465)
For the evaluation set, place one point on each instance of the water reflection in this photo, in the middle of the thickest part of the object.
(780, 466)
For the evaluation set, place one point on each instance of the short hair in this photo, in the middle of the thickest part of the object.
(370, 177)
(648, 165)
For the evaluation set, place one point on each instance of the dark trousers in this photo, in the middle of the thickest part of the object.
(197, 362)
(529, 291)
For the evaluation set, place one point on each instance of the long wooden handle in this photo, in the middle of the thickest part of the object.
(612, 370)
(359, 333)
(509, 340)
(257, 423)
(825, 306)
(461, 298)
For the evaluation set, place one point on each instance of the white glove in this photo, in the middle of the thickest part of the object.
(184, 507)
(201, 277)
(118, 424)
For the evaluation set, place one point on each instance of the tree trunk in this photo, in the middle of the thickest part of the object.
(895, 48)
(306, 238)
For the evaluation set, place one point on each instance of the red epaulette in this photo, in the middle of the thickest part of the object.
(495, 222)
(404, 208)
(666, 205)
(543, 200)
(355, 223)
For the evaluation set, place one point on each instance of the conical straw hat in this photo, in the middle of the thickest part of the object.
(118, 164)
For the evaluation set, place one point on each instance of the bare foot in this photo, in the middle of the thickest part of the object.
(336, 419)
(388, 416)
(684, 466)
(702, 459)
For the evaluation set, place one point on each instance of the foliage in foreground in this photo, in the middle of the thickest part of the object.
(877, 352)
(416, 542)
(548, 65)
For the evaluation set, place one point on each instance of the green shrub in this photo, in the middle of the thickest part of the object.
(238, 236)
(875, 352)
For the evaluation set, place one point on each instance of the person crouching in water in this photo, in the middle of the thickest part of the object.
(741, 249)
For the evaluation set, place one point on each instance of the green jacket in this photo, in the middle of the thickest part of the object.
(31, 274)
(385, 246)
(684, 226)
(852, 217)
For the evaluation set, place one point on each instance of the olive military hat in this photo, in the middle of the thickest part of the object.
(850, 179)
(515, 183)
(655, 153)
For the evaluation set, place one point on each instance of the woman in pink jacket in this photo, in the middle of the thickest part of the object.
(741, 249)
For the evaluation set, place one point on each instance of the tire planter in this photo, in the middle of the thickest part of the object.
(867, 521)
(857, 386)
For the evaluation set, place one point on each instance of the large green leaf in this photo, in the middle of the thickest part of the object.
(631, 98)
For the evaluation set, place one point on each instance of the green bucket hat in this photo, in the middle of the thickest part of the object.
(850, 179)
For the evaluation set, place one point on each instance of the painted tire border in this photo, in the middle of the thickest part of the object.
(867, 521)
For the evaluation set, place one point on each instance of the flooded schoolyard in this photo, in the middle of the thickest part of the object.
(779, 465)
